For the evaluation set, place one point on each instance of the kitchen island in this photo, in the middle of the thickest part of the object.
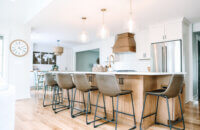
(139, 83)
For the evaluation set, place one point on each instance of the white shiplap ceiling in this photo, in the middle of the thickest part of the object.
(61, 19)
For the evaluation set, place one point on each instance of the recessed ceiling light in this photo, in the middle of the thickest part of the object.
(12, 0)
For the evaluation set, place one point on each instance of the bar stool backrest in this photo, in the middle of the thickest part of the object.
(175, 86)
(107, 84)
(64, 81)
(49, 79)
(81, 82)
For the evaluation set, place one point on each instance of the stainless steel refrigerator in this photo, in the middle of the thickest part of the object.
(166, 56)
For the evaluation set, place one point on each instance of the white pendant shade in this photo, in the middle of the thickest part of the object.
(104, 32)
(130, 24)
(84, 37)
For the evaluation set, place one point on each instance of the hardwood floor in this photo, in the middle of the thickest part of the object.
(30, 115)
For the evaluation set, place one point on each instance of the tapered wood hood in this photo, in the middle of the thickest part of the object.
(125, 42)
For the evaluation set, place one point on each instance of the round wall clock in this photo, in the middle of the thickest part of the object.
(19, 48)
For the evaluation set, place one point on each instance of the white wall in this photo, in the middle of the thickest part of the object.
(125, 61)
(17, 69)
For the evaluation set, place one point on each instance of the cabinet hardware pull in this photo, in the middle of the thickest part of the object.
(90, 78)
(121, 81)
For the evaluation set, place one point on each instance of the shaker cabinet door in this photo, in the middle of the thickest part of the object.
(173, 31)
(156, 33)
(143, 45)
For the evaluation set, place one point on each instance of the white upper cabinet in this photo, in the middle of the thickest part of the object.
(142, 45)
(166, 31)
(173, 31)
(156, 33)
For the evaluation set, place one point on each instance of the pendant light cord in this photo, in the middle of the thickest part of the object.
(103, 18)
(131, 8)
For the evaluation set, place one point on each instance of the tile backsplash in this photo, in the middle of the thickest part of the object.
(129, 61)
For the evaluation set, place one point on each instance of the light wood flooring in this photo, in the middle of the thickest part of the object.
(30, 115)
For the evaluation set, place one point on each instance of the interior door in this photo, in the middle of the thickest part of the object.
(198, 70)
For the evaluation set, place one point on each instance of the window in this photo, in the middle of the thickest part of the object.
(1, 56)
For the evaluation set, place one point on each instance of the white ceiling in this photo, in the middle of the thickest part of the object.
(61, 19)
(20, 11)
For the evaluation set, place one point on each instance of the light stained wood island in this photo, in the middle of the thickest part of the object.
(139, 83)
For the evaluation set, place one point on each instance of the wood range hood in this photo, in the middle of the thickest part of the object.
(125, 42)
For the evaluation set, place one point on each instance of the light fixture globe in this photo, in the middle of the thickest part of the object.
(58, 50)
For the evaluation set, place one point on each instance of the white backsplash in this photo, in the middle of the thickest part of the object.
(129, 61)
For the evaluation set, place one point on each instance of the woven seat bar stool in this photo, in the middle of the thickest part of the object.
(108, 86)
(64, 83)
(82, 84)
(49, 82)
(173, 90)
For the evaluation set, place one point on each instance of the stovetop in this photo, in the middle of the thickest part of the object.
(125, 70)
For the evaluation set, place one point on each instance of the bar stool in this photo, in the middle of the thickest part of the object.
(173, 90)
(108, 86)
(82, 84)
(64, 83)
(49, 81)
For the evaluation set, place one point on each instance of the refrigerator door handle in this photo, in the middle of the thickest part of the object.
(164, 58)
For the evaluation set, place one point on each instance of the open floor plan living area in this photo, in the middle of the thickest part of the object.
(99, 64)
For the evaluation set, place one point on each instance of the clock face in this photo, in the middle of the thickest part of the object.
(19, 48)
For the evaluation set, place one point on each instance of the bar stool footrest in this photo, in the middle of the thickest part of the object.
(157, 123)
(148, 115)
(101, 118)
(124, 113)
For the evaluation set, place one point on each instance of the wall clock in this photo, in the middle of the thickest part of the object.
(19, 48)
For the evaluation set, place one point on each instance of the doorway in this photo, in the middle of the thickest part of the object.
(85, 60)
(196, 65)
(198, 91)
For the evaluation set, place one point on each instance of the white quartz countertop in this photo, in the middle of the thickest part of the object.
(122, 73)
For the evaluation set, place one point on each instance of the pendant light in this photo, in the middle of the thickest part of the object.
(58, 50)
(103, 32)
(84, 37)
(130, 21)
